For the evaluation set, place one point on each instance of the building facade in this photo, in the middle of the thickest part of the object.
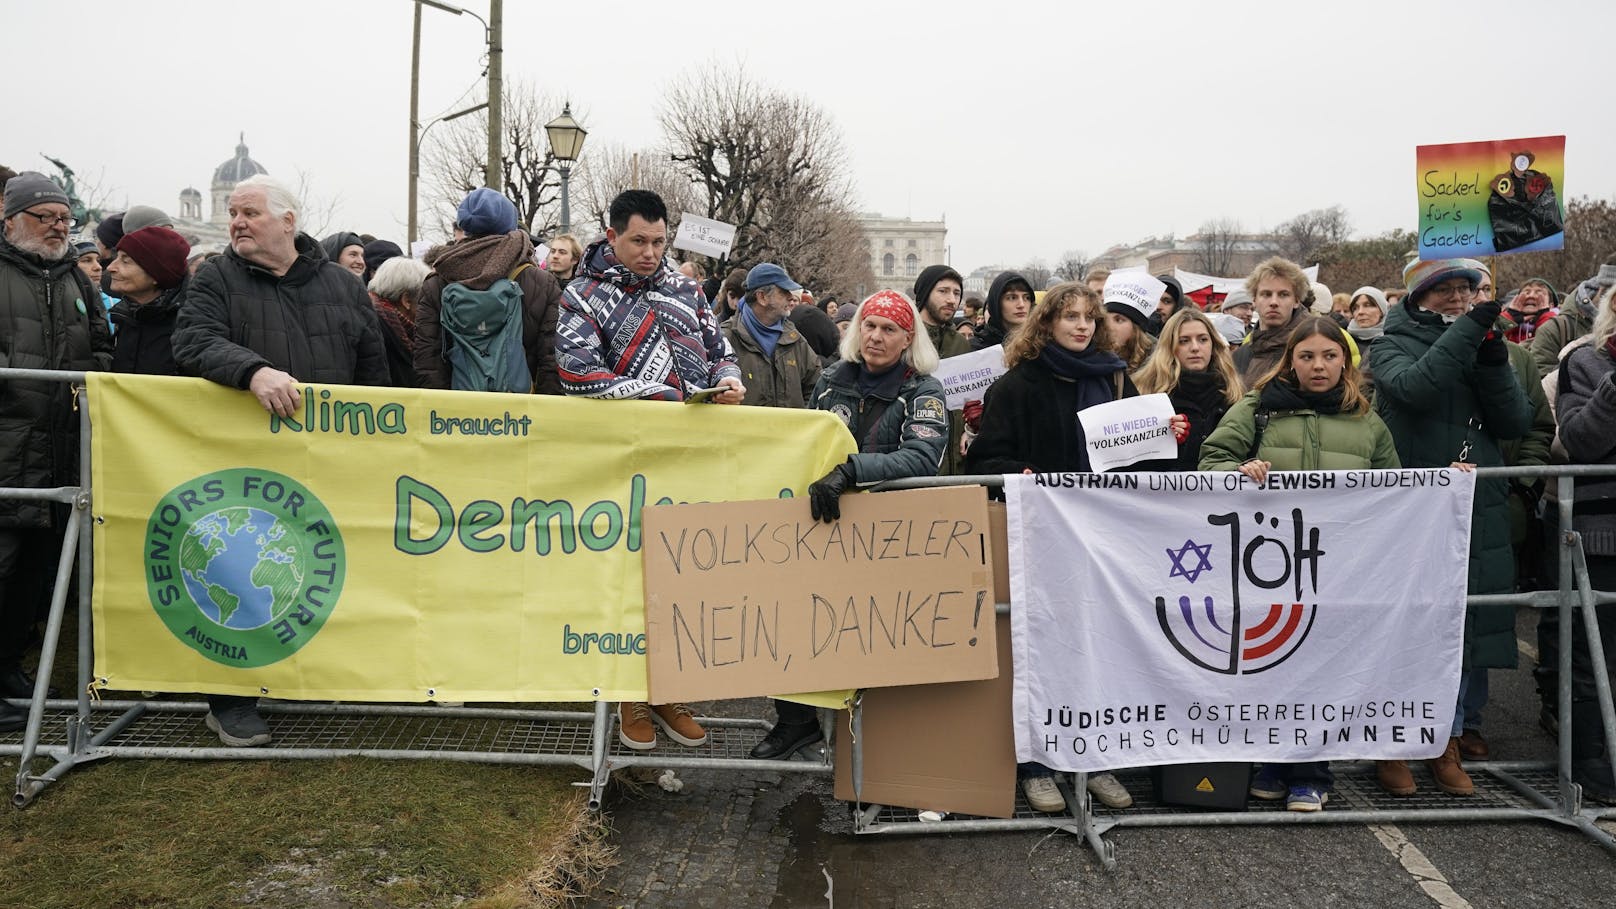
(900, 247)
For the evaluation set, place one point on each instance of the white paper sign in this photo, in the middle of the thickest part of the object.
(1129, 431)
(1134, 288)
(1166, 618)
(704, 235)
(967, 376)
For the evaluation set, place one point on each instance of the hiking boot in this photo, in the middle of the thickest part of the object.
(237, 721)
(1449, 772)
(1394, 777)
(786, 739)
(1306, 798)
(1109, 790)
(1267, 785)
(1590, 762)
(634, 727)
(1042, 793)
(1472, 747)
(680, 724)
(11, 719)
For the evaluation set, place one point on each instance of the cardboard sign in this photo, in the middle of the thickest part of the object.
(967, 376)
(704, 235)
(1483, 198)
(757, 598)
(1128, 431)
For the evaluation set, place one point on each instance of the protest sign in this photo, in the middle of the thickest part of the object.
(1166, 618)
(756, 598)
(1136, 289)
(967, 376)
(1128, 431)
(1482, 198)
(704, 235)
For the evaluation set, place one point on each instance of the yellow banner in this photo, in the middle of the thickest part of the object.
(402, 544)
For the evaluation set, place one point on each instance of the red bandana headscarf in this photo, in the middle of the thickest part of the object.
(889, 304)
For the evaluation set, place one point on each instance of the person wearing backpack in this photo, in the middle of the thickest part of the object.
(487, 318)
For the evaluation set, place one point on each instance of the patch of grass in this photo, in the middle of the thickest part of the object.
(344, 833)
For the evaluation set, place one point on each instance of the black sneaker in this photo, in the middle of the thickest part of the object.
(237, 722)
(18, 684)
(11, 719)
(786, 739)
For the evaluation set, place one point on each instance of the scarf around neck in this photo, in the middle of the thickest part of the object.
(767, 336)
(1280, 394)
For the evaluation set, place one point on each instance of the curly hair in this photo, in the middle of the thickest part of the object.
(1029, 342)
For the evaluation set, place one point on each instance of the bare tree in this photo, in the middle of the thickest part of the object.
(608, 171)
(1074, 265)
(1037, 273)
(1215, 244)
(318, 209)
(1301, 238)
(455, 161)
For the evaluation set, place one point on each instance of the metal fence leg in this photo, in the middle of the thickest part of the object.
(79, 726)
(1570, 793)
(597, 751)
(1105, 850)
(1596, 654)
(27, 787)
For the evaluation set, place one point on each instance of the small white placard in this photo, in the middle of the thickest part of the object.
(1129, 431)
(704, 235)
(1134, 288)
(967, 376)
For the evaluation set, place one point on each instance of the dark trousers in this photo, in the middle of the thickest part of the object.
(791, 713)
(1307, 773)
(27, 570)
(1602, 576)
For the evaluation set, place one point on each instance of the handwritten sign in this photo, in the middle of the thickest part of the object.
(1128, 431)
(1483, 198)
(704, 235)
(967, 376)
(757, 598)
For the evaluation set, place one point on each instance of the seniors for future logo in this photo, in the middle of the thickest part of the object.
(1217, 635)
(244, 566)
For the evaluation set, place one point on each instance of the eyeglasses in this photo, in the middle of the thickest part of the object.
(1453, 290)
(47, 219)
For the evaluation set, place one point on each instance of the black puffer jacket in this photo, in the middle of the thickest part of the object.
(315, 322)
(145, 339)
(50, 318)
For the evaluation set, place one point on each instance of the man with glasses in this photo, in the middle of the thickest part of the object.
(50, 318)
(1445, 387)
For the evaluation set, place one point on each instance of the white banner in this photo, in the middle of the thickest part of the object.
(1166, 618)
(967, 376)
(704, 235)
(1128, 431)
(1207, 289)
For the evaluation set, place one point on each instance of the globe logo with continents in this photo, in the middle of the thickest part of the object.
(242, 567)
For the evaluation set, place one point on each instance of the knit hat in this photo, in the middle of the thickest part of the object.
(1375, 294)
(1423, 274)
(83, 247)
(32, 188)
(930, 277)
(1554, 295)
(379, 251)
(110, 230)
(846, 312)
(889, 304)
(1134, 294)
(1236, 297)
(485, 212)
(1323, 300)
(1232, 328)
(143, 216)
(160, 252)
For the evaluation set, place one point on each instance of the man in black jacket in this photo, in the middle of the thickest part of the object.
(50, 318)
(299, 317)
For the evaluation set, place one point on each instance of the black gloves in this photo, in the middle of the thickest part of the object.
(1492, 351)
(1486, 314)
(824, 496)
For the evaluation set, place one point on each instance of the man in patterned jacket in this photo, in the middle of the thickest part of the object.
(632, 326)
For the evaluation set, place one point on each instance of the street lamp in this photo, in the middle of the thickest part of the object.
(415, 157)
(566, 141)
(493, 31)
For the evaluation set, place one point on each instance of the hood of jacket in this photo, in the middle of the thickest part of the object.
(334, 244)
(994, 305)
(480, 262)
(310, 256)
(600, 264)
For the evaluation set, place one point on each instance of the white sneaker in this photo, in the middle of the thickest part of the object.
(1042, 794)
(1109, 790)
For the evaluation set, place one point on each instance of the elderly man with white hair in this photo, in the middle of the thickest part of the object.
(268, 315)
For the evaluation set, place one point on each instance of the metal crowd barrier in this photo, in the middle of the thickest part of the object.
(76, 731)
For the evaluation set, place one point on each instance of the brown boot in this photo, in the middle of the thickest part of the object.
(1450, 775)
(1394, 777)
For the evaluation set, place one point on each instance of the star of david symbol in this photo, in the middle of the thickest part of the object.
(1203, 555)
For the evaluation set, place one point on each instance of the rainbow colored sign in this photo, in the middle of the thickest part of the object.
(1484, 198)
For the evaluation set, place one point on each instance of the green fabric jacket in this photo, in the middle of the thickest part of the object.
(1300, 440)
(1429, 389)
(785, 380)
(1555, 334)
(950, 343)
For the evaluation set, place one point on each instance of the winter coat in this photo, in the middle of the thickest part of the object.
(1029, 420)
(1547, 342)
(950, 343)
(144, 342)
(50, 318)
(1519, 328)
(1300, 440)
(818, 330)
(786, 379)
(993, 330)
(1587, 406)
(478, 263)
(901, 426)
(1263, 349)
(1429, 390)
(315, 322)
(623, 335)
(1201, 400)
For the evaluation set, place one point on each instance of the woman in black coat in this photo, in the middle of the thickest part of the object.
(1192, 365)
(149, 275)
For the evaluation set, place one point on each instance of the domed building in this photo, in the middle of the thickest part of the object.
(225, 178)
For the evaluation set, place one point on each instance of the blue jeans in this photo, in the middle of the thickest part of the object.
(1027, 770)
(1472, 698)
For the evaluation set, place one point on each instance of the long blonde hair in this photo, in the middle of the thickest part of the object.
(1352, 396)
(1161, 373)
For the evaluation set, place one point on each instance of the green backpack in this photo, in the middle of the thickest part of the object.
(482, 336)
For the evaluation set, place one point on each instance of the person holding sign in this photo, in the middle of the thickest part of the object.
(1307, 413)
(1059, 365)
(1191, 364)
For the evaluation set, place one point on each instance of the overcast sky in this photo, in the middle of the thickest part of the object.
(1032, 127)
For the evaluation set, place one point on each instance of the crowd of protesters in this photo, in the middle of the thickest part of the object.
(1278, 375)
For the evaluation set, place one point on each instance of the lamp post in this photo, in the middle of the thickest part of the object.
(566, 141)
(415, 158)
(493, 33)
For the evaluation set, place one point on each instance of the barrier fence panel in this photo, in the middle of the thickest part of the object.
(81, 729)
